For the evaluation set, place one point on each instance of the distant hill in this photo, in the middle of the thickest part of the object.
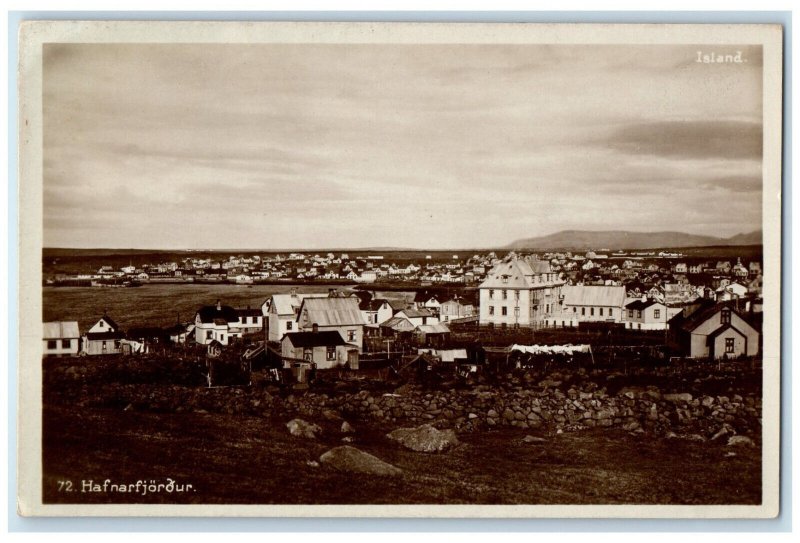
(621, 239)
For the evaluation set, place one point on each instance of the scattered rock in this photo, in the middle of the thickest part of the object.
(347, 458)
(533, 439)
(312, 463)
(301, 428)
(424, 438)
(725, 430)
(740, 441)
(680, 397)
(330, 414)
(347, 439)
(347, 428)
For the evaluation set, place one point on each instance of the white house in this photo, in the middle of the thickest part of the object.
(61, 338)
(376, 311)
(281, 311)
(590, 303)
(520, 293)
(648, 315)
(340, 314)
(103, 338)
(213, 323)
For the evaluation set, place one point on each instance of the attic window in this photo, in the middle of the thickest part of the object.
(725, 317)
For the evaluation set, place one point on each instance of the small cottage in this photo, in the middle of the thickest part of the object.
(61, 338)
(327, 349)
(103, 338)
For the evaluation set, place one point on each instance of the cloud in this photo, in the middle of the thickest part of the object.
(733, 140)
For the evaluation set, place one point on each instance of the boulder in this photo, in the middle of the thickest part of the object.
(740, 441)
(301, 428)
(533, 439)
(424, 438)
(350, 459)
(347, 428)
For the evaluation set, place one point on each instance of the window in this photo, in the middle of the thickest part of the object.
(591, 311)
(505, 280)
(209, 334)
(516, 295)
(583, 311)
(630, 313)
(574, 309)
(51, 344)
(288, 325)
(656, 313)
(505, 294)
(729, 345)
(66, 343)
(638, 313)
(601, 311)
(504, 311)
(491, 310)
(491, 294)
(516, 312)
(547, 308)
(725, 316)
(610, 312)
(105, 345)
(330, 353)
(351, 335)
(101, 324)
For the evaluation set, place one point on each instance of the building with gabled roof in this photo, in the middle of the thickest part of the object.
(61, 338)
(375, 311)
(648, 314)
(713, 330)
(520, 293)
(103, 337)
(340, 314)
(327, 349)
(280, 311)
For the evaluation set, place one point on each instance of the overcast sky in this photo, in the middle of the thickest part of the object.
(429, 146)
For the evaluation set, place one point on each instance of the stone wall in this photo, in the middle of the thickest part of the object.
(547, 406)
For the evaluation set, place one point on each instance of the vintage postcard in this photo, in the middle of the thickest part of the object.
(399, 270)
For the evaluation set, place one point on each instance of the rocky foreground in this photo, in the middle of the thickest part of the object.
(559, 437)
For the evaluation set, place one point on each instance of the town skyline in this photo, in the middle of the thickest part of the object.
(424, 146)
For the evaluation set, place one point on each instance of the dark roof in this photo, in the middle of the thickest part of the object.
(248, 312)
(696, 314)
(639, 305)
(398, 305)
(325, 338)
(210, 313)
(371, 305)
(101, 336)
(424, 296)
(110, 322)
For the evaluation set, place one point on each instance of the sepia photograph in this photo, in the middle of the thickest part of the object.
(321, 269)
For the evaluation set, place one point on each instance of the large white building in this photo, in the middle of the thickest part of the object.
(520, 293)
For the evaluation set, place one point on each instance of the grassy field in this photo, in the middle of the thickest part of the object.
(247, 460)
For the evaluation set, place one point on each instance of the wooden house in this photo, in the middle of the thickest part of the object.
(61, 338)
(103, 338)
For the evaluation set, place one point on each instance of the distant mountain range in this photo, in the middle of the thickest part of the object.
(621, 239)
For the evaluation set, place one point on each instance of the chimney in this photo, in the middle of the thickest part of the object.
(315, 328)
(219, 305)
